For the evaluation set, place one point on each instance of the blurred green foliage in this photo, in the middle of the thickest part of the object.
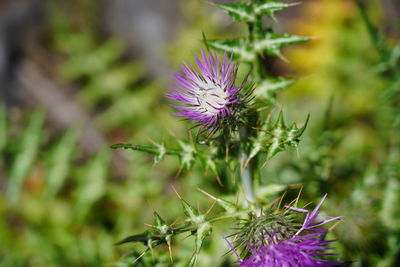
(59, 207)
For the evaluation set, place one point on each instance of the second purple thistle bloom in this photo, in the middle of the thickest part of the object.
(208, 93)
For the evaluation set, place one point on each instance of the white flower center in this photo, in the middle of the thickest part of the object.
(211, 98)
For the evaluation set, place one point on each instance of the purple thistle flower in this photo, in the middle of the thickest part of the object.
(304, 248)
(209, 95)
(297, 251)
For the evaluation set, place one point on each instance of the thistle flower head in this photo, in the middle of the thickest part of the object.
(209, 94)
(296, 251)
(302, 244)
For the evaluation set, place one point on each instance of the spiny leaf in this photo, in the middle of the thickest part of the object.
(226, 205)
(256, 145)
(147, 149)
(267, 88)
(159, 223)
(144, 237)
(299, 132)
(209, 160)
(276, 138)
(269, 7)
(202, 232)
(271, 43)
(240, 48)
(282, 136)
(161, 152)
(249, 13)
(240, 12)
(192, 213)
(161, 226)
(187, 155)
(280, 122)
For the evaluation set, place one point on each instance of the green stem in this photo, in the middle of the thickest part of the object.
(255, 30)
(245, 171)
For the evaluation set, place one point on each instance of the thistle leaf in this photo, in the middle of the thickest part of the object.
(190, 212)
(147, 149)
(240, 12)
(257, 145)
(226, 205)
(159, 223)
(276, 138)
(159, 150)
(269, 7)
(143, 238)
(239, 47)
(280, 122)
(271, 43)
(162, 150)
(202, 232)
(249, 13)
(209, 158)
(188, 155)
(268, 88)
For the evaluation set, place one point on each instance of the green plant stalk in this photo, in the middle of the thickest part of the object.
(254, 33)
(246, 173)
